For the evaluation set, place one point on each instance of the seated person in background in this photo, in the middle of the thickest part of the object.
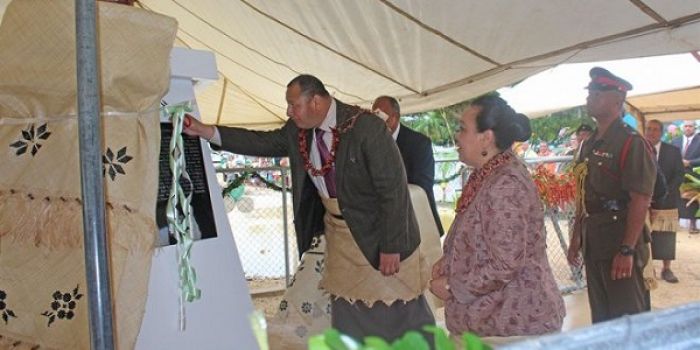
(544, 151)
(494, 275)
(582, 133)
(524, 151)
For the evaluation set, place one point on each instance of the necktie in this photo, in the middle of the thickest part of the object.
(329, 177)
(687, 143)
(656, 152)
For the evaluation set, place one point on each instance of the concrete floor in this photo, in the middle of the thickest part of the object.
(578, 313)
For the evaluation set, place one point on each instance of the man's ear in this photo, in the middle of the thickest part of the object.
(315, 103)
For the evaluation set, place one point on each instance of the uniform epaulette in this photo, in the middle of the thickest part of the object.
(631, 130)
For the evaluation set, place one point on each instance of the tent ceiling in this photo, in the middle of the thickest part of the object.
(427, 53)
(668, 105)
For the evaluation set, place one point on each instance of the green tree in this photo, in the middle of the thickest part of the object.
(547, 128)
(439, 124)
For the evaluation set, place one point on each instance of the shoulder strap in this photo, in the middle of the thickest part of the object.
(625, 150)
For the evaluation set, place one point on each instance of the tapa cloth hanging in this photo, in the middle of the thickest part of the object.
(42, 278)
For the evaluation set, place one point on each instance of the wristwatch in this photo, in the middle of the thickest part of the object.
(626, 250)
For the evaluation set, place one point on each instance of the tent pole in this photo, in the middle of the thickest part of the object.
(90, 128)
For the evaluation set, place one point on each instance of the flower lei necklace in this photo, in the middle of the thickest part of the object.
(476, 178)
(328, 164)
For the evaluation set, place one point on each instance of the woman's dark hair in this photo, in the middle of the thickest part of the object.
(508, 126)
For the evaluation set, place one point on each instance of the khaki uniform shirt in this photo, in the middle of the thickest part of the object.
(606, 180)
(608, 185)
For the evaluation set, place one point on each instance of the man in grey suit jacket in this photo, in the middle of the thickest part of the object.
(416, 151)
(359, 165)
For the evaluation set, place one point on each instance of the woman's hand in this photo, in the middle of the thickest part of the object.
(437, 267)
(440, 288)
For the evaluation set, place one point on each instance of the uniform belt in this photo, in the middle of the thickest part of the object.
(606, 206)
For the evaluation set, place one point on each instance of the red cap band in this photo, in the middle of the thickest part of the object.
(601, 80)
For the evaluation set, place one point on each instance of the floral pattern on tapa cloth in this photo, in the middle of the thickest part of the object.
(304, 310)
(496, 262)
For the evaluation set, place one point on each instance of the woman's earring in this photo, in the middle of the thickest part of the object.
(484, 153)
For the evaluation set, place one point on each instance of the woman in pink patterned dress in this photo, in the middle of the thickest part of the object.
(494, 275)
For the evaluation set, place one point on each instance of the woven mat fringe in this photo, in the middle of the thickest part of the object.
(7, 343)
(57, 222)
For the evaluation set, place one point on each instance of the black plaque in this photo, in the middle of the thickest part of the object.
(204, 225)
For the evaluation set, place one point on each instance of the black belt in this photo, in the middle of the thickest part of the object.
(605, 206)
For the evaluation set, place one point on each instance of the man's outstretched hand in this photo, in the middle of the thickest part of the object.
(193, 127)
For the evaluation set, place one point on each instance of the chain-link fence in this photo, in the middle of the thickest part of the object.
(258, 202)
(259, 206)
(557, 225)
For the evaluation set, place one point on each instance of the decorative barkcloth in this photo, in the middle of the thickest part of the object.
(344, 258)
(305, 310)
(664, 220)
(663, 234)
(42, 270)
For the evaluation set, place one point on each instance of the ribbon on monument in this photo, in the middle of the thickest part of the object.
(178, 210)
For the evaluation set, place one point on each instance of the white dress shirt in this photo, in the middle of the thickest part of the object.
(686, 142)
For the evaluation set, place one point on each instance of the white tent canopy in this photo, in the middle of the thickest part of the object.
(668, 105)
(427, 53)
(562, 87)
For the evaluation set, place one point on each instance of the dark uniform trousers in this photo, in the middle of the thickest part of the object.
(610, 298)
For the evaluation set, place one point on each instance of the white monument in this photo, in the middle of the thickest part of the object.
(219, 320)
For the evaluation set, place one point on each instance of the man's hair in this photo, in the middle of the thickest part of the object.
(310, 85)
(657, 122)
(392, 101)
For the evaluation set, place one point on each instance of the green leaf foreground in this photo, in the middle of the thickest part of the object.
(690, 189)
(331, 339)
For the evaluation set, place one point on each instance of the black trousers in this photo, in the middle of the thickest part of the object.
(389, 322)
(614, 298)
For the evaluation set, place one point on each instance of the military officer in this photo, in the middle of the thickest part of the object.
(616, 175)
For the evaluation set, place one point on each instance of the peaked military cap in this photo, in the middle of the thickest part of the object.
(602, 79)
